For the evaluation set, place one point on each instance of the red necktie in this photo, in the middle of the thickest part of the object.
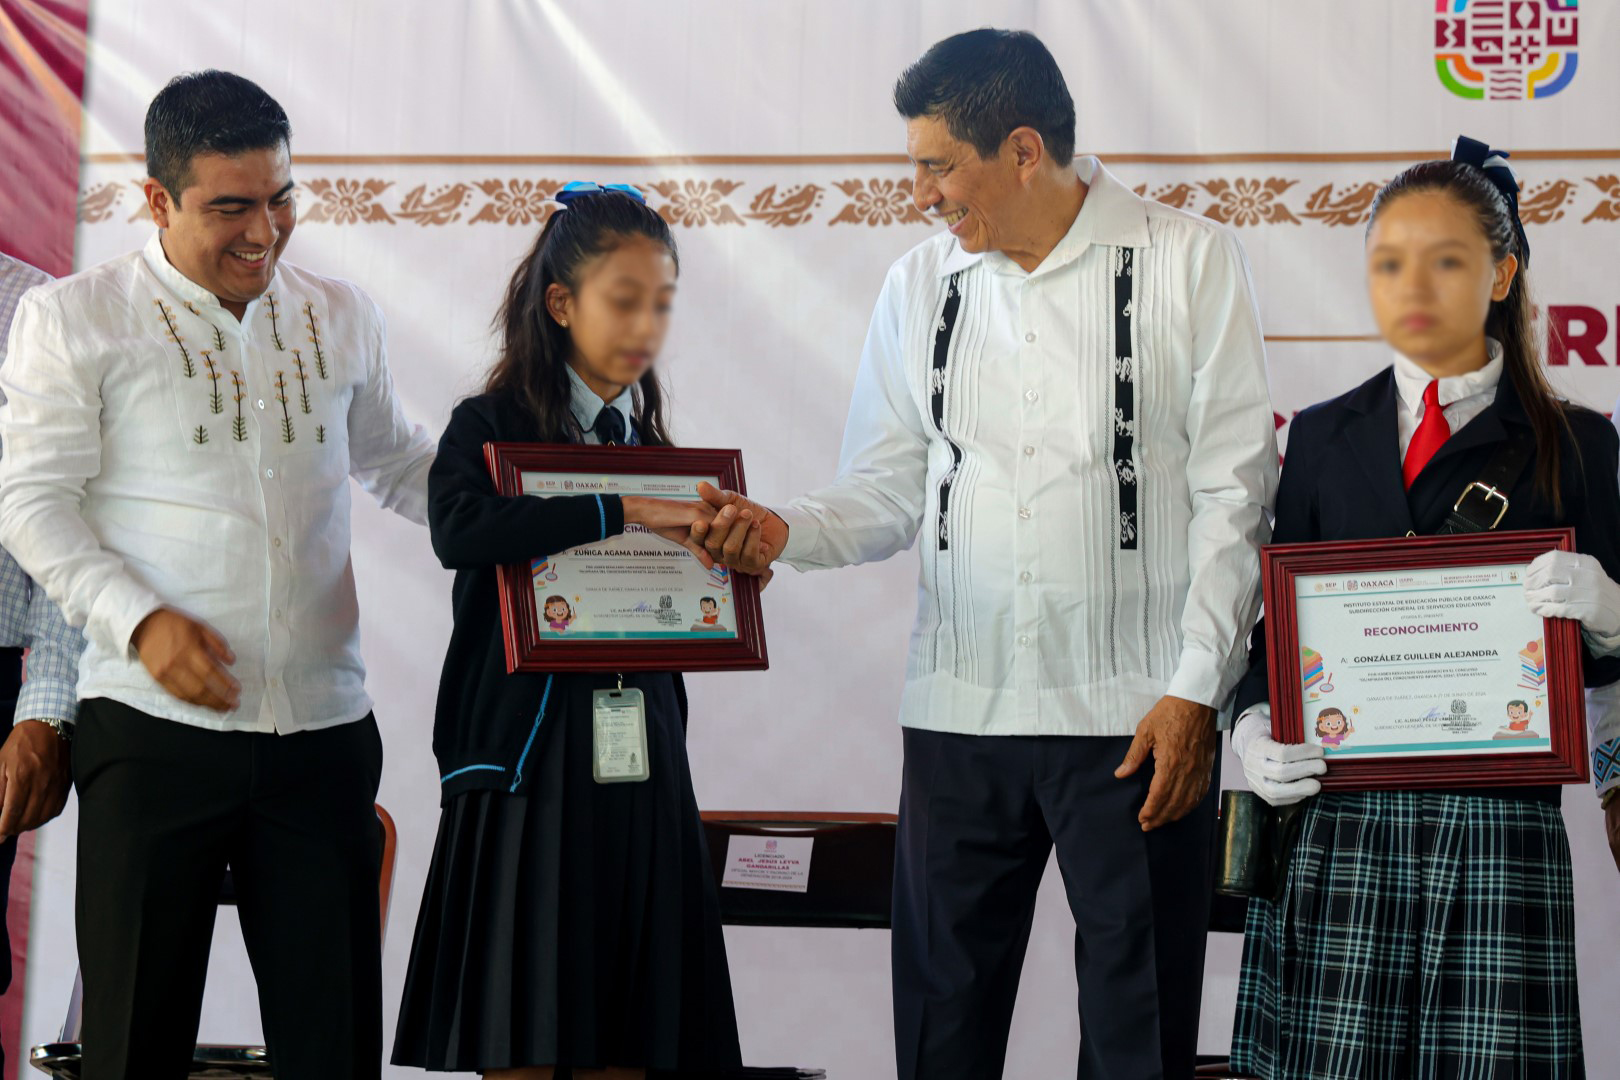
(1432, 433)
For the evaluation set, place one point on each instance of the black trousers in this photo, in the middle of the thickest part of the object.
(164, 808)
(10, 683)
(8, 857)
(979, 816)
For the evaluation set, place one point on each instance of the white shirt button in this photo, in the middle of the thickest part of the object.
(276, 541)
(1029, 451)
(278, 613)
(1023, 639)
(1024, 512)
(1031, 396)
(1030, 337)
(261, 403)
(1026, 577)
(270, 474)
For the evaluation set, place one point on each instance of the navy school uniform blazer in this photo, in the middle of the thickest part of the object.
(1341, 480)
(486, 720)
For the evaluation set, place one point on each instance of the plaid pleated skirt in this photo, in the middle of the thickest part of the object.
(1420, 936)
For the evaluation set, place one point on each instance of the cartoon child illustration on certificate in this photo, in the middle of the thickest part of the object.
(1331, 728)
(559, 613)
(1518, 725)
(709, 620)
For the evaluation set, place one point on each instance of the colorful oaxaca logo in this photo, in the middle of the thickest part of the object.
(1505, 50)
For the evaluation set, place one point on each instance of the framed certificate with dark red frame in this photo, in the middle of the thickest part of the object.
(633, 602)
(1416, 663)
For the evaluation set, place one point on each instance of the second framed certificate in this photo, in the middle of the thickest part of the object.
(1416, 663)
(633, 602)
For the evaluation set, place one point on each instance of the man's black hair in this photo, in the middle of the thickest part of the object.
(986, 83)
(208, 112)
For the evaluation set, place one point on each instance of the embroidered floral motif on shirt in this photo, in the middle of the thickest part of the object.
(239, 425)
(943, 333)
(1125, 404)
(303, 382)
(211, 363)
(287, 434)
(315, 339)
(275, 327)
(216, 402)
(187, 366)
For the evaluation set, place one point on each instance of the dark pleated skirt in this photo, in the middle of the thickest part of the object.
(577, 925)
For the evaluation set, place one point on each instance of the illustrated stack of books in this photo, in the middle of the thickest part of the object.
(1310, 667)
(1533, 666)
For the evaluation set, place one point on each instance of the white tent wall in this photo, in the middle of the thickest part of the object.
(424, 134)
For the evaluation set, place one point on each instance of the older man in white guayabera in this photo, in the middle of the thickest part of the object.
(1063, 395)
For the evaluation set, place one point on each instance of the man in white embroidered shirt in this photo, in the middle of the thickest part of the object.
(1065, 397)
(180, 427)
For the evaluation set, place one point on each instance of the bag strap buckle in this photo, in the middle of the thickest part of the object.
(1486, 493)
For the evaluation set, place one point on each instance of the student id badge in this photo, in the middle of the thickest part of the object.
(618, 736)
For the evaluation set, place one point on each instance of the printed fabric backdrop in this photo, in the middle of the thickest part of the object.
(427, 138)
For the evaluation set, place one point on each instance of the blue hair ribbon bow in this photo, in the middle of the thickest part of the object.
(576, 189)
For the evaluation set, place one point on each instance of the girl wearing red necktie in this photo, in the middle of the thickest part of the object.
(1431, 934)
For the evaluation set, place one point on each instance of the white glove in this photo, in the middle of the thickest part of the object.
(1280, 773)
(1569, 585)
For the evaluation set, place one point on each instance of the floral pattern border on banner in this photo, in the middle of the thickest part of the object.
(1242, 201)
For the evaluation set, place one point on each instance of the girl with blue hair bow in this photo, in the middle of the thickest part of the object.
(568, 928)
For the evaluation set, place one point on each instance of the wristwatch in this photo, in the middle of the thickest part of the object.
(64, 731)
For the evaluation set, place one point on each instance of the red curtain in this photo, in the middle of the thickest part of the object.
(42, 62)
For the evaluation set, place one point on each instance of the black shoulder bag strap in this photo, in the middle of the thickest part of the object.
(1483, 503)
